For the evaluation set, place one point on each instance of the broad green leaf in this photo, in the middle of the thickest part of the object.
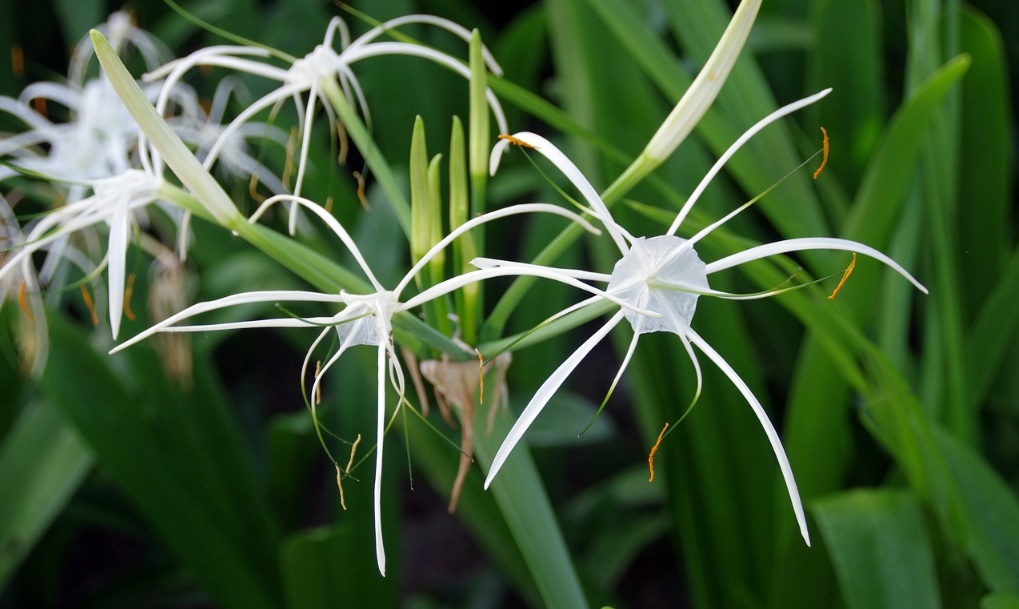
(853, 114)
(1000, 600)
(321, 571)
(42, 463)
(879, 546)
(989, 514)
(136, 455)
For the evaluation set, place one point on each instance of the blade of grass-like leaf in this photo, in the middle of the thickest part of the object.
(889, 173)
(985, 161)
(993, 332)
(320, 571)
(854, 115)
(880, 548)
(42, 463)
(82, 384)
(989, 513)
(525, 505)
(476, 508)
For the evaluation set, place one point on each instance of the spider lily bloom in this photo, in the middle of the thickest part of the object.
(117, 202)
(315, 72)
(204, 130)
(122, 32)
(365, 319)
(23, 287)
(97, 142)
(99, 138)
(665, 275)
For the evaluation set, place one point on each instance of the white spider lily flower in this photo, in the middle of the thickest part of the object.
(665, 275)
(97, 142)
(321, 68)
(365, 319)
(24, 287)
(122, 32)
(206, 130)
(119, 203)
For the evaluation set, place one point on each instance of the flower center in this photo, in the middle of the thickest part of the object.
(315, 66)
(663, 275)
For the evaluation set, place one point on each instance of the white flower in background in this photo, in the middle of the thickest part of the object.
(117, 202)
(22, 287)
(123, 35)
(665, 275)
(311, 74)
(365, 319)
(204, 130)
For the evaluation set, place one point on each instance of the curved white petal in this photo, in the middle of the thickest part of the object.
(743, 139)
(544, 394)
(810, 243)
(565, 165)
(523, 208)
(491, 263)
(772, 435)
(331, 222)
(233, 300)
(769, 429)
(513, 270)
(380, 550)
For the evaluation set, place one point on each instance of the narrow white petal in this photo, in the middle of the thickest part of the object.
(809, 243)
(415, 50)
(769, 430)
(451, 26)
(743, 139)
(455, 283)
(380, 550)
(565, 165)
(524, 208)
(116, 254)
(233, 300)
(544, 394)
(491, 263)
(331, 222)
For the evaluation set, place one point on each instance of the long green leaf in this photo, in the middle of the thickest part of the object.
(880, 548)
(130, 449)
(42, 463)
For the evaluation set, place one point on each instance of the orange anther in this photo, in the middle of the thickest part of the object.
(91, 305)
(654, 449)
(824, 153)
(845, 275)
(127, 297)
(23, 301)
(515, 141)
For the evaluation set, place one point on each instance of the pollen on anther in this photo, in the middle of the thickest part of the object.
(845, 276)
(361, 190)
(127, 297)
(824, 153)
(90, 305)
(654, 449)
(23, 301)
(515, 141)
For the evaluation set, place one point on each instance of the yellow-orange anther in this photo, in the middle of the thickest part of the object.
(824, 153)
(845, 275)
(654, 449)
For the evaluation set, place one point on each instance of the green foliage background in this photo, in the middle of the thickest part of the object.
(119, 487)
